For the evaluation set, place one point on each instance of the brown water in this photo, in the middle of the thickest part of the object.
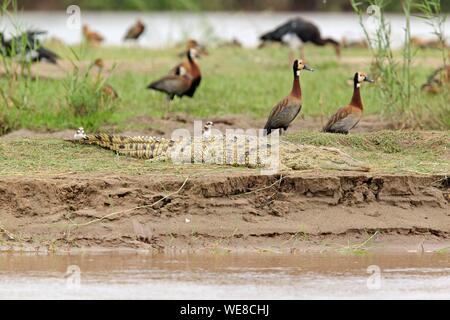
(262, 276)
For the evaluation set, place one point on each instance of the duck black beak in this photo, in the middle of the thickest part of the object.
(308, 68)
(367, 79)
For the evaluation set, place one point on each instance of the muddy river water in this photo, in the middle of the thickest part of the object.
(224, 276)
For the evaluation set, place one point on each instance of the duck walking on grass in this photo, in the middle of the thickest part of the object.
(346, 118)
(177, 84)
(287, 109)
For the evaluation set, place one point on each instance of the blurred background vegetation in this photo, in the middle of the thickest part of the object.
(208, 5)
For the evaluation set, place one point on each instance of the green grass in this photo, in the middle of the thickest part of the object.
(385, 152)
(389, 151)
(235, 81)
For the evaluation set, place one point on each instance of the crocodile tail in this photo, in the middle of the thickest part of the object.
(138, 147)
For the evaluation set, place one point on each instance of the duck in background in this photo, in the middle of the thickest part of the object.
(437, 80)
(91, 36)
(135, 31)
(427, 44)
(357, 44)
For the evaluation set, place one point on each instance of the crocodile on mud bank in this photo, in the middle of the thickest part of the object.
(266, 152)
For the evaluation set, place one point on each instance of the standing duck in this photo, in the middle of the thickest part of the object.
(92, 36)
(346, 118)
(135, 31)
(287, 109)
(192, 69)
(177, 84)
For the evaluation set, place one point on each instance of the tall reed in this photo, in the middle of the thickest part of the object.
(402, 101)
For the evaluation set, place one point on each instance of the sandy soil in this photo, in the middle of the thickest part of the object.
(222, 212)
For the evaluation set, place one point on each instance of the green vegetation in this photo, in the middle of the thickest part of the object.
(192, 5)
(80, 98)
(389, 151)
(235, 81)
(397, 92)
(86, 101)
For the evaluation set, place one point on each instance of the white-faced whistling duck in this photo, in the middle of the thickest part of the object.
(135, 31)
(192, 69)
(107, 89)
(346, 118)
(91, 36)
(29, 46)
(437, 80)
(173, 84)
(305, 31)
(287, 109)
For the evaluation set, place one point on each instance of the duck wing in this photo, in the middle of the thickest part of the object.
(171, 85)
(283, 113)
(343, 120)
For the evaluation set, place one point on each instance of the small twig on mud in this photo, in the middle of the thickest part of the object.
(129, 210)
(9, 234)
(261, 189)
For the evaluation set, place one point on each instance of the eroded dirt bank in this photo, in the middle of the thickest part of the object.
(223, 211)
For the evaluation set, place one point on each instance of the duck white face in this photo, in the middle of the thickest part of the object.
(360, 77)
(301, 65)
(193, 53)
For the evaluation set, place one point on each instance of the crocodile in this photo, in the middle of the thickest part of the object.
(237, 150)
